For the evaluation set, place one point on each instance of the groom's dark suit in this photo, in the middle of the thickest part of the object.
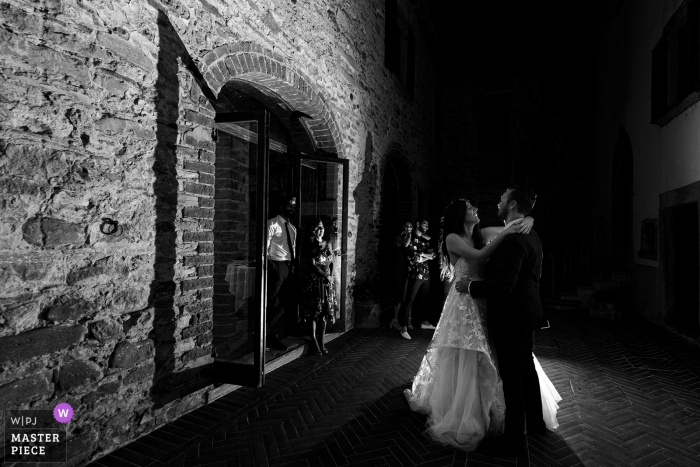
(514, 311)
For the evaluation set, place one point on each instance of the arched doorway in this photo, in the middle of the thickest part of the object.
(622, 199)
(396, 208)
(265, 153)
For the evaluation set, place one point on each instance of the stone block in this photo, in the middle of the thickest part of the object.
(205, 202)
(25, 390)
(71, 310)
(106, 330)
(197, 306)
(79, 275)
(20, 312)
(198, 259)
(124, 49)
(127, 354)
(196, 353)
(31, 232)
(197, 330)
(198, 236)
(109, 388)
(203, 339)
(194, 284)
(270, 22)
(77, 373)
(113, 83)
(198, 213)
(198, 118)
(207, 247)
(49, 232)
(206, 179)
(207, 156)
(198, 189)
(59, 233)
(116, 126)
(131, 299)
(140, 374)
(39, 342)
(199, 166)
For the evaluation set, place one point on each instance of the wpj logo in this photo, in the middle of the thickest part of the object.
(63, 413)
(37, 435)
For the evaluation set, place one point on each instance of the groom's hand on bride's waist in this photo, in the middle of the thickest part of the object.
(462, 285)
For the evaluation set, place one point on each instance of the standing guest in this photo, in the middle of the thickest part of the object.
(319, 292)
(281, 262)
(334, 236)
(419, 253)
(401, 242)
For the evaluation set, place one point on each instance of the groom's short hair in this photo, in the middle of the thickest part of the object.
(524, 197)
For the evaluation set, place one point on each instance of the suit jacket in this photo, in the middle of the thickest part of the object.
(512, 284)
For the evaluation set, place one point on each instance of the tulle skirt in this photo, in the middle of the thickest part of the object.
(550, 397)
(464, 402)
(458, 385)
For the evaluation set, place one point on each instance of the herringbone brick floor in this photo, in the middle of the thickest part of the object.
(631, 396)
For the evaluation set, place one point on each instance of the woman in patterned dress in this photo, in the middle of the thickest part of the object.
(401, 242)
(458, 385)
(320, 300)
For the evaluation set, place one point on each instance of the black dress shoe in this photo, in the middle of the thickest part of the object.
(503, 446)
(537, 428)
(517, 448)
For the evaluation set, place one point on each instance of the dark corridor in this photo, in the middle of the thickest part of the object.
(686, 270)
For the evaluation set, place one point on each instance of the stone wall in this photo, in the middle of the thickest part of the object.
(106, 112)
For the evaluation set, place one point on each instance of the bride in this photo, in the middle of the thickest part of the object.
(458, 385)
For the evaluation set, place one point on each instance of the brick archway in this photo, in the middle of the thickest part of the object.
(279, 85)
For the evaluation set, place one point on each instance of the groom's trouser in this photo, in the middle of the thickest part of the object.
(521, 386)
(416, 289)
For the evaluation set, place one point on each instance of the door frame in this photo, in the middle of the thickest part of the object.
(240, 373)
(345, 163)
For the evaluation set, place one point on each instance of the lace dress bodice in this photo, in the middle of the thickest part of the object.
(469, 268)
(464, 318)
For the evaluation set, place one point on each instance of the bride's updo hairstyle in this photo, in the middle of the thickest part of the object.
(453, 222)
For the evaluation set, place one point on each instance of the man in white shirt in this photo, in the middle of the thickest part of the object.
(281, 271)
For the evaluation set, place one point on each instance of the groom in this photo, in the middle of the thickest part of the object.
(514, 312)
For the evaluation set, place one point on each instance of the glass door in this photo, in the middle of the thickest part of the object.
(322, 191)
(240, 206)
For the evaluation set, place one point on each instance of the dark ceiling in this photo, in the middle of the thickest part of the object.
(495, 36)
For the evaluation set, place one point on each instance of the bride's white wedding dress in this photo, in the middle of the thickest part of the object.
(458, 385)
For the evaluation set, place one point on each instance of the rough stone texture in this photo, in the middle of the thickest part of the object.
(105, 330)
(70, 310)
(106, 111)
(25, 390)
(60, 233)
(77, 373)
(127, 354)
(39, 342)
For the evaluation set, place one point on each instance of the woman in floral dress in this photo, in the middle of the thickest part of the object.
(320, 300)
